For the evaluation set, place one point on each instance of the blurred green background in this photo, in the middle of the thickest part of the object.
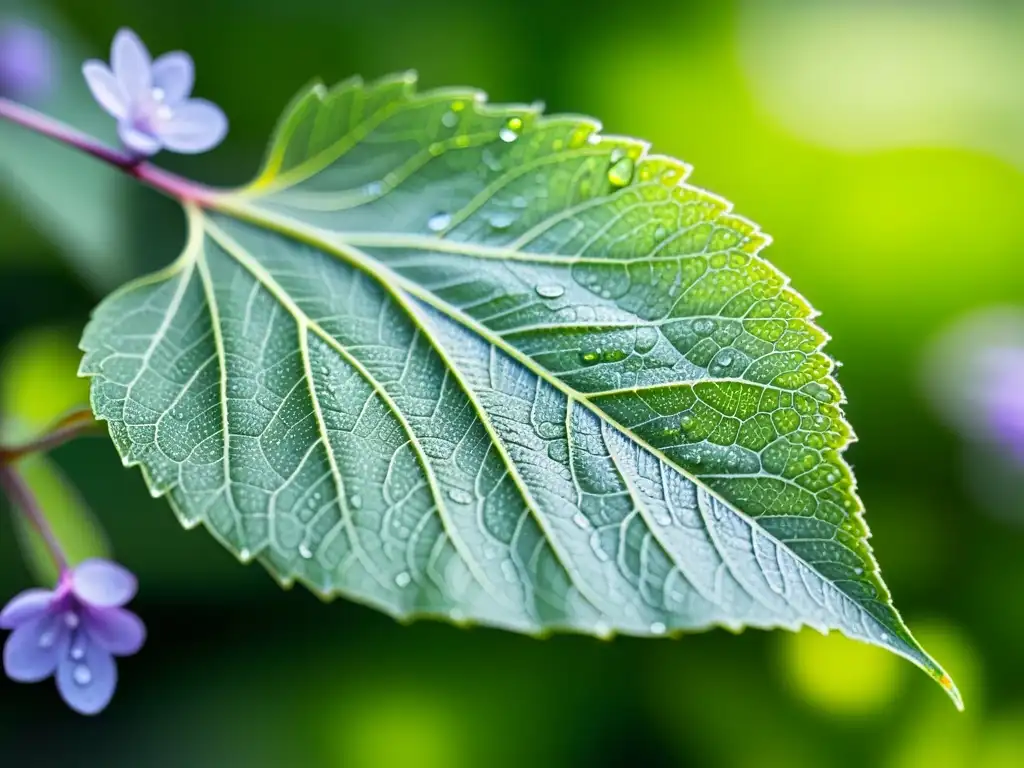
(880, 143)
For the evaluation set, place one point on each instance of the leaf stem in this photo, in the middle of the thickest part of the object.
(74, 424)
(21, 496)
(170, 184)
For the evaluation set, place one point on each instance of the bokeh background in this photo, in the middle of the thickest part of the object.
(880, 143)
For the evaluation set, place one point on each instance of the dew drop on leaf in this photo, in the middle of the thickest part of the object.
(621, 173)
(403, 579)
(460, 496)
(449, 119)
(550, 291)
(502, 220)
(646, 339)
(510, 132)
(355, 501)
(439, 221)
(305, 552)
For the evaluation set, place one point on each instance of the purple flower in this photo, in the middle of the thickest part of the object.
(74, 632)
(1002, 396)
(26, 61)
(150, 99)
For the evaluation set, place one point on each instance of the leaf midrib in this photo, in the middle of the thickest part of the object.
(390, 281)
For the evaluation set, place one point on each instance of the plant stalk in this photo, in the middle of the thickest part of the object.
(170, 184)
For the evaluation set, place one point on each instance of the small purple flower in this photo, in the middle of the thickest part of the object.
(26, 61)
(1002, 396)
(150, 99)
(74, 632)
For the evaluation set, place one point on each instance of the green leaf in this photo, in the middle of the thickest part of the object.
(459, 360)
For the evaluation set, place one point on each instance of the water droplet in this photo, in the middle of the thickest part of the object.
(374, 188)
(508, 570)
(660, 233)
(519, 202)
(47, 639)
(78, 647)
(581, 521)
(883, 637)
(81, 674)
(439, 221)
(657, 628)
(590, 357)
(460, 496)
(510, 132)
(621, 173)
(71, 620)
(646, 339)
(558, 451)
(490, 552)
(859, 571)
(449, 119)
(456, 615)
(685, 420)
(158, 94)
(245, 555)
(703, 326)
(502, 220)
(601, 629)
(725, 359)
(403, 579)
(355, 501)
(550, 291)
(593, 139)
(304, 551)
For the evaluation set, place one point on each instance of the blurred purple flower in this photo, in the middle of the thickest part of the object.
(150, 99)
(74, 632)
(26, 61)
(1002, 396)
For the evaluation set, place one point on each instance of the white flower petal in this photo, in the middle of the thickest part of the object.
(131, 64)
(136, 141)
(105, 88)
(173, 75)
(195, 126)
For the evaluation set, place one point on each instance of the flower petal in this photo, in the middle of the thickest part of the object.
(120, 632)
(174, 74)
(130, 61)
(196, 126)
(105, 88)
(32, 650)
(136, 141)
(87, 684)
(103, 584)
(30, 604)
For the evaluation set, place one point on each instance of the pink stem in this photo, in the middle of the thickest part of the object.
(170, 184)
(21, 496)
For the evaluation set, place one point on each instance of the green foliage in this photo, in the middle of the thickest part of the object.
(466, 361)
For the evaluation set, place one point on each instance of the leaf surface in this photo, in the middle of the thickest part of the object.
(467, 361)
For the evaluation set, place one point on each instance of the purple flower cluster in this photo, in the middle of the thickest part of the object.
(74, 632)
(150, 99)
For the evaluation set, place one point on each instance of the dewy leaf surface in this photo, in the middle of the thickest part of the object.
(468, 361)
